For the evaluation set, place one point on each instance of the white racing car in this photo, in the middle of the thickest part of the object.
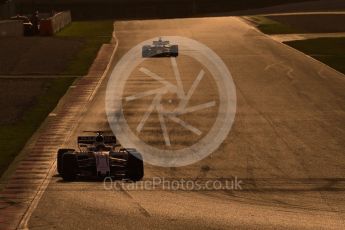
(97, 157)
(160, 48)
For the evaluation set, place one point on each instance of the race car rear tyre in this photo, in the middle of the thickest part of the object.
(145, 52)
(69, 166)
(60, 153)
(135, 166)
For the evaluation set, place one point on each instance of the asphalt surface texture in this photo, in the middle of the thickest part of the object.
(286, 145)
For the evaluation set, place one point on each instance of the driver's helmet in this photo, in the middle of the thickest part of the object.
(99, 142)
(99, 138)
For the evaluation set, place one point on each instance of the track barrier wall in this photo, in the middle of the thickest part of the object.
(51, 25)
(11, 28)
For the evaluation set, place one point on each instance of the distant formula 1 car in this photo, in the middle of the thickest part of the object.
(97, 158)
(160, 48)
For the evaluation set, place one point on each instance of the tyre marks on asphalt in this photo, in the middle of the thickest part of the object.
(141, 209)
(34, 169)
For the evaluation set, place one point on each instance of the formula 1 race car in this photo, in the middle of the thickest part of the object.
(97, 157)
(160, 48)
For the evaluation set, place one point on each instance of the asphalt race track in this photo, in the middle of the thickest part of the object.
(286, 144)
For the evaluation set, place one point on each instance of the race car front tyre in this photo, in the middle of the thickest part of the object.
(60, 153)
(135, 166)
(69, 166)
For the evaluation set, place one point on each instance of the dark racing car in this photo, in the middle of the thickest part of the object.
(98, 158)
(160, 48)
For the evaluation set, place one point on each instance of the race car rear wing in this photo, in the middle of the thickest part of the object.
(89, 140)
